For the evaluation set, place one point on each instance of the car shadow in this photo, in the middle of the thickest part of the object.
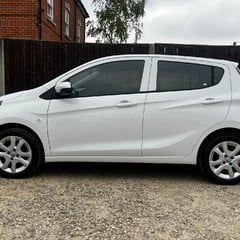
(123, 170)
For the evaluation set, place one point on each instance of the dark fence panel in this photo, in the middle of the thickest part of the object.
(231, 53)
(29, 64)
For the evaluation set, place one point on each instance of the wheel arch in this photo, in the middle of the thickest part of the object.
(215, 134)
(18, 125)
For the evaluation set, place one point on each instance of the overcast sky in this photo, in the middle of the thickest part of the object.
(188, 21)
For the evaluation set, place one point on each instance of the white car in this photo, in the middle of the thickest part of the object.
(128, 108)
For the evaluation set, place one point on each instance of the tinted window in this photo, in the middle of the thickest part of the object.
(120, 77)
(238, 70)
(176, 76)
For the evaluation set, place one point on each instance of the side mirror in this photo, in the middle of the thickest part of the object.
(64, 89)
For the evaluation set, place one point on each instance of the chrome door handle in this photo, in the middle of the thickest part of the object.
(209, 101)
(125, 104)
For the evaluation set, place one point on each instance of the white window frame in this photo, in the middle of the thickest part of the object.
(67, 22)
(78, 33)
(50, 9)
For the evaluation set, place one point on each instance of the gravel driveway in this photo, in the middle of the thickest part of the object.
(118, 201)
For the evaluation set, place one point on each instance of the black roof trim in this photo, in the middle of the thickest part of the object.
(83, 9)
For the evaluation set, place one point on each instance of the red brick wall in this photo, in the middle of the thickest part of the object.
(51, 28)
(18, 19)
(71, 36)
(75, 16)
(81, 19)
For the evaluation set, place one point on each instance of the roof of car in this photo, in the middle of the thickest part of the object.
(178, 57)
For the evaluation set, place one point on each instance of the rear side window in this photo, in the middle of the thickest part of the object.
(177, 76)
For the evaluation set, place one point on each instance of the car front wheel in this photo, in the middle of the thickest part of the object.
(220, 159)
(20, 153)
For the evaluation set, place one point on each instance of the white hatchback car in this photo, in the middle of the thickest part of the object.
(128, 108)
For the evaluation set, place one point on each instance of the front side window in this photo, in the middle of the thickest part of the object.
(121, 77)
(177, 76)
(50, 9)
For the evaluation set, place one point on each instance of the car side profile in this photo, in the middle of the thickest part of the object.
(128, 108)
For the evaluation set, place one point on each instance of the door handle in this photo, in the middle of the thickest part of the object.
(209, 101)
(125, 104)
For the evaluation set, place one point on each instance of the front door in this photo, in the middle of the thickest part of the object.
(105, 115)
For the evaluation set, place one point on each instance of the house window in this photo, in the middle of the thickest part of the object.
(50, 9)
(78, 31)
(67, 17)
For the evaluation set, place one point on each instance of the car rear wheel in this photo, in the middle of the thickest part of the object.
(220, 159)
(20, 153)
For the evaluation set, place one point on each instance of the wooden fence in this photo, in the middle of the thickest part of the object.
(26, 64)
(231, 53)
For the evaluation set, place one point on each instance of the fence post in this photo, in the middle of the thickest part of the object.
(2, 68)
(152, 48)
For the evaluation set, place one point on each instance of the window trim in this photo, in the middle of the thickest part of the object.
(51, 4)
(67, 21)
(78, 33)
(51, 94)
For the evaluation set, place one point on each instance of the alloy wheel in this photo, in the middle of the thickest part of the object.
(224, 160)
(15, 154)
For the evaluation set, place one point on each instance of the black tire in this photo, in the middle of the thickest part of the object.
(32, 148)
(206, 153)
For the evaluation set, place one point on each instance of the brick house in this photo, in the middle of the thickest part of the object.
(50, 20)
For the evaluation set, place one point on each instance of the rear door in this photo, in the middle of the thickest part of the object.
(186, 99)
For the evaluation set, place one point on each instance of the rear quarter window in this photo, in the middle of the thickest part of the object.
(177, 76)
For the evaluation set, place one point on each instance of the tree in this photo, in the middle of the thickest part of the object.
(116, 19)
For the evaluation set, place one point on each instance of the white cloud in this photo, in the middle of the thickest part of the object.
(189, 21)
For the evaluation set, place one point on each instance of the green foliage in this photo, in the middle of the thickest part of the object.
(116, 19)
